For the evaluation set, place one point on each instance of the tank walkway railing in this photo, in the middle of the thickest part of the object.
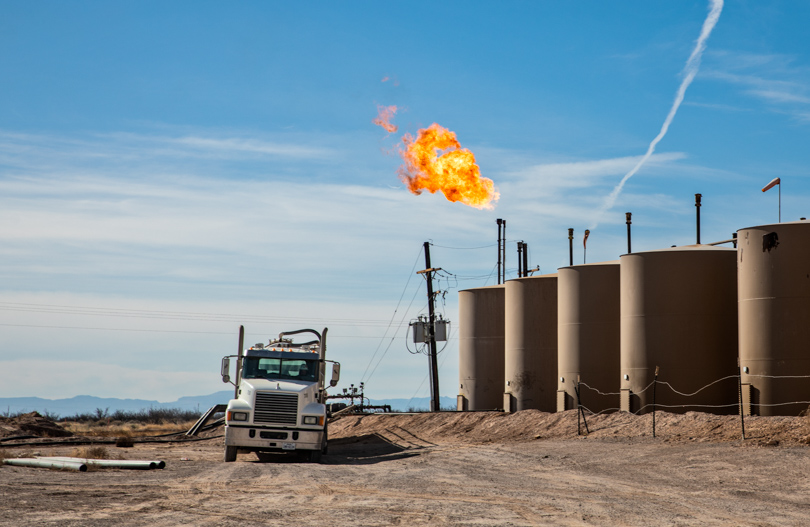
(655, 405)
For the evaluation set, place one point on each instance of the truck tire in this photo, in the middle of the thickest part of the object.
(230, 453)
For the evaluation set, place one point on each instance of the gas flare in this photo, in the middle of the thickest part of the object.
(384, 116)
(434, 160)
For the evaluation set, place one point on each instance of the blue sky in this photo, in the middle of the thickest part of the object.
(169, 170)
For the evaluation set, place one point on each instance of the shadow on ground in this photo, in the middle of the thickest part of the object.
(357, 450)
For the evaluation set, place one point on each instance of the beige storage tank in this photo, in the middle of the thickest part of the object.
(480, 348)
(530, 342)
(774, 311)
(588, 335)
(679, 312)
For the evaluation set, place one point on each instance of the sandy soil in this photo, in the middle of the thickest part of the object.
(528, 468)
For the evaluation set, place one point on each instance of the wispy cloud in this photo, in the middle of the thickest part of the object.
(94, 152)
(236, 145)
(583, 173)
(774, 79)
(780, 96)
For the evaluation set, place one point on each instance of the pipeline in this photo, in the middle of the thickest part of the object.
(112, 463)
(46, 463)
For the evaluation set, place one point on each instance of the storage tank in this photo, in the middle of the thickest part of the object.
(530, 343)
(774, 311)
(588, 335)
(679, 312)
(480, 348)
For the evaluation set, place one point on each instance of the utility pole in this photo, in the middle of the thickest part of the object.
(434, 365)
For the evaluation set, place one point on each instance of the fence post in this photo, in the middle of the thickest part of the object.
(739, 385)
(580, 410)
(579, 407)
(655, 383)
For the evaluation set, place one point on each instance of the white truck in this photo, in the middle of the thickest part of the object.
(280, 396)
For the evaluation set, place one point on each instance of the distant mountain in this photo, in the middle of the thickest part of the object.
(86, 404)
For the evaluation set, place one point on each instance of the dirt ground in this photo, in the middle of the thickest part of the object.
(528, 468)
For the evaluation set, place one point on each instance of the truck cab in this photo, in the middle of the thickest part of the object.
(280, 396)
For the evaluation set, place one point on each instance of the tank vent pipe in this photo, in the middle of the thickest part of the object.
(697, 207)
(503, 250)
(629, 217)
(500, 222)
(570, 246)
(525, 259)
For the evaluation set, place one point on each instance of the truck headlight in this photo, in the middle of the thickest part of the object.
(312, 419)
(237, 416)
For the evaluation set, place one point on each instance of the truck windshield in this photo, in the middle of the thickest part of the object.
(292, 369)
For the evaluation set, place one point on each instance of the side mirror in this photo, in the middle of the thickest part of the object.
(226, 368)
(335, 374)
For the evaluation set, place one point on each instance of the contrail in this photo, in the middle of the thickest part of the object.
(690, 70)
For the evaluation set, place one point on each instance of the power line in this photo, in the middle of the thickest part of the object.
(407, 282)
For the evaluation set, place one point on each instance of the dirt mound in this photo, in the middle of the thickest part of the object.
(485, 427)
(31, 424)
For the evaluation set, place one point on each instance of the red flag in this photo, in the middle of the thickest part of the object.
(773, 183)
(585, 239)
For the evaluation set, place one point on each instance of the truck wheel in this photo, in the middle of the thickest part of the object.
(230, 453)
(315, 456)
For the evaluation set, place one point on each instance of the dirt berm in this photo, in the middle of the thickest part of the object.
(31, 424)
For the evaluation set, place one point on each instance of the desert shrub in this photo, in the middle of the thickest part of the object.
(124, 441)
(90, 452)
(145, 416)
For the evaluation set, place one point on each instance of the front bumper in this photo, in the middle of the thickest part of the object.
(275, 439)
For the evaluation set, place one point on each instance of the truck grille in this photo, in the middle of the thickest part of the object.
(277, 408)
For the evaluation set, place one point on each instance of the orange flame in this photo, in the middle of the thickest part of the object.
(434, 160)
(384, 116)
